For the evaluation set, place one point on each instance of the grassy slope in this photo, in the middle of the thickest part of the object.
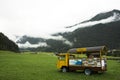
(43, 67)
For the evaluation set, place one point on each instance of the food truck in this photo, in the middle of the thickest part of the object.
(88, 59)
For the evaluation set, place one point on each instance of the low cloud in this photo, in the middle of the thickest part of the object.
(115, 17)
(29, 45)
(59, 37)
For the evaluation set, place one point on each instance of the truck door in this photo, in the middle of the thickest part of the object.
(61, 61)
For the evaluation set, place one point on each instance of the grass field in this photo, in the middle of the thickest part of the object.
(43, 67)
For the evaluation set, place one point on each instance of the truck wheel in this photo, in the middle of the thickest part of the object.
(64, 69)
(87, 71)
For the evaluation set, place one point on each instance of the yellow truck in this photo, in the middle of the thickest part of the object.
(89, 59)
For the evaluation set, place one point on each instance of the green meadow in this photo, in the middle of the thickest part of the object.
(42, 66)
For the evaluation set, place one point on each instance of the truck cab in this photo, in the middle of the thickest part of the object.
(89, 59)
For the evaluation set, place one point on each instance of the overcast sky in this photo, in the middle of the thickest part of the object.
(43, 17)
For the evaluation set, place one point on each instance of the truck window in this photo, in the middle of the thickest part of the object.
(61, 57)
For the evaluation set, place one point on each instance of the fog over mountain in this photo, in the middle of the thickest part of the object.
(33, 42)
(105, 17)
(102, 29)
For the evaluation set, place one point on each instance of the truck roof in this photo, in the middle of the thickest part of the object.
(103, 49)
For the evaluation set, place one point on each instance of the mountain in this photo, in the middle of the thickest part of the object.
(6, 44)
(42, 44)
(105, 15)
(101, 34)
(31, 40)
(103, 29)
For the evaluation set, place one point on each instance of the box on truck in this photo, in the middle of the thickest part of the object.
(89, 59)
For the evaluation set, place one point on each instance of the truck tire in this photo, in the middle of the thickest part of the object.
(87, 71)
(64, 69)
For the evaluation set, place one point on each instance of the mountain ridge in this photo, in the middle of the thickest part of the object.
(101, 16)
(6, 44)
(104, 15)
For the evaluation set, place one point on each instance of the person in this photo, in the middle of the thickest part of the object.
(91, 56)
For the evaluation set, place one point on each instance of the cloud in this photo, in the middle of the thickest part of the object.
(28, 45)
(68, 42)
(40, 18)
(44, 44)
(113, 18)
(59, 37)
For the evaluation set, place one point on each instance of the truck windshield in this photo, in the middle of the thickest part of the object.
(62, 57)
